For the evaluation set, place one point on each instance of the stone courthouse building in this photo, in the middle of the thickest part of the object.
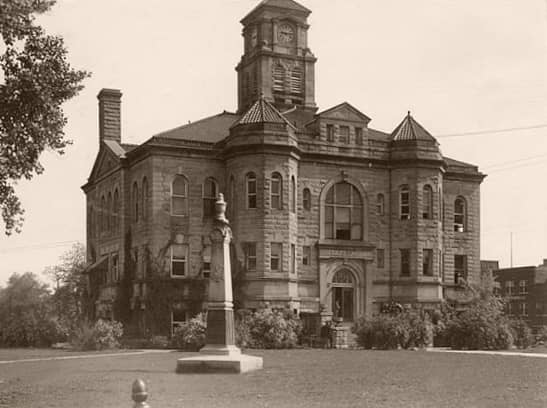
(328, 214)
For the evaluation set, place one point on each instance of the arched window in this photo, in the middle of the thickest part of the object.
(276, 191)
(179, 196)
(343, 212)
(145, 199)
(427, 203)
(278, 78)
(404, 202)
(306, 199)
(109, 216)
(210, 191)
(293, 194)
(296, 80)
(116, 211)
(380, 204)
(251, 190)
(459, 215)
(135, 202)
(102, 221)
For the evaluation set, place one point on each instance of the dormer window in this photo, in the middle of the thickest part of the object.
(330, 133)
(344, 135)
(358, 136)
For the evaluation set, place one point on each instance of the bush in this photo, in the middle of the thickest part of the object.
(268, 329)
(541, 335)
(522, 334)
(190, 335)
(102, 335)
(393, 330)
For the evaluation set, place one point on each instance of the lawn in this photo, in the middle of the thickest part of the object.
(295, 378)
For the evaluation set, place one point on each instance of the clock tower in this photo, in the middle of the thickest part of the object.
(277, 62)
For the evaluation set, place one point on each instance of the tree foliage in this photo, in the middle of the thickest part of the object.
(70, 287)
(37, 80)
(26, 317)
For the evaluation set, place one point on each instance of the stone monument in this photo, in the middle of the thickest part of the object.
(220, 354)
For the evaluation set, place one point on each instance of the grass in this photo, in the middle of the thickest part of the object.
(293, 378)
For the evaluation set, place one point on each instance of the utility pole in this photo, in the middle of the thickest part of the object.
(511, 249)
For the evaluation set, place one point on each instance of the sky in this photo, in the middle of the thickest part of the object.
(460, 66)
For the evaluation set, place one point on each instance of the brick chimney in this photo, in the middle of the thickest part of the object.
(110, 126)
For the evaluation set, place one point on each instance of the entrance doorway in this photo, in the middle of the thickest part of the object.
(343, 287)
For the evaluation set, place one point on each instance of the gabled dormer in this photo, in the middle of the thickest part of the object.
(342, 124)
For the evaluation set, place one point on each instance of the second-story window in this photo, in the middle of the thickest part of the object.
(427, 262)
(306, 199)
(179, 196)
(135, 202)
(251, 191)
(459, 215)
(293, 194)
(179, 260)
(343, 212)
(145, 193)
(405, 262)
(460, 268)
(116, 211)
(404, 203)
(276, 191)
(110, 214)
(210, 191)
(380, 204)
(249, 250)
(509, 288)
(523, 287)
(276, 256)
(427, 204)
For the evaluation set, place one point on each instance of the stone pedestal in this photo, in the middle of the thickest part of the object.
(220, 354)
(340, 337)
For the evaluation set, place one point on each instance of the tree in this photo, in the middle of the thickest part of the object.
(37, 80)
(70, 287)
(26, 317)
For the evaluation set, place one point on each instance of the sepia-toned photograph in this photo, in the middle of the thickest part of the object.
(273, 203)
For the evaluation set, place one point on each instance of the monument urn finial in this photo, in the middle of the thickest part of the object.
(139, 394)
(220, 209)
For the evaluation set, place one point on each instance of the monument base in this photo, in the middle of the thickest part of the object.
(235, 363)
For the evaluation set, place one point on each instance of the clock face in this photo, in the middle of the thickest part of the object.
(286, 33)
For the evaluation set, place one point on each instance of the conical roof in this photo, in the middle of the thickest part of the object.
(287, 4)
(410, 129)
(262, 111)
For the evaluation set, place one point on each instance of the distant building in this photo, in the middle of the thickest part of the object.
(327, 213)
(525, 288)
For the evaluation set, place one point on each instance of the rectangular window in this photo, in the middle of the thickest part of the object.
(250, 256)
(380, 258)
(344, 134)
(405, 203)
(427, 262)
(330, 133)
(460, 268)
(251, 192)
(177, 318)
(509, 288)
(509, 307)
(306, 255)
(405, 262)
(293, 258)
(179, 260)
(359, 136)
(206, 257)
(523, 309)
(523, 287)
(276, 255)
(275, 185)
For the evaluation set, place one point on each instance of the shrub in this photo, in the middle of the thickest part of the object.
(541, 335)
(190, 335)
(102, 335)
(268, 329)
(393, 330)
(522, 334)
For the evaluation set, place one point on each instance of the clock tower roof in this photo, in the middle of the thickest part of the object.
(278, 4)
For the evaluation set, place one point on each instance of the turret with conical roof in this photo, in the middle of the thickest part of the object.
(411, 141)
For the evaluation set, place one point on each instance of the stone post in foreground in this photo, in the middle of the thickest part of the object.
(220, 353)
